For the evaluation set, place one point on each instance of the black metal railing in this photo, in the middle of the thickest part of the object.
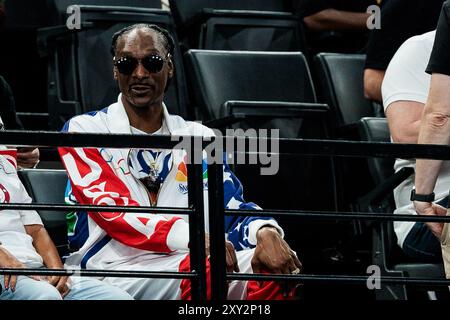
(219, 277)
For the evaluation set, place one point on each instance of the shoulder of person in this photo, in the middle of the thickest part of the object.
(419, 43)
(88, 122)
(184, 127)
(413, 54)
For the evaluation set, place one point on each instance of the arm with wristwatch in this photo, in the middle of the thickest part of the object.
(434, 129)
(435, 124)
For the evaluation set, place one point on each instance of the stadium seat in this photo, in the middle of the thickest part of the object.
(265, 25)
(60, 6)
(340, 85)
(267, 90)
(48, 187)
(246, 76)
(80, 63)
(385, 252)
(339, 79)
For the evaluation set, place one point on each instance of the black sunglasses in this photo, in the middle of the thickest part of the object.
(152, 63)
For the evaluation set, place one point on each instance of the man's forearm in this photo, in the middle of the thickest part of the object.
(427, 171)
(332, 19)
(44, 246)
(373, 79)
(434, 129)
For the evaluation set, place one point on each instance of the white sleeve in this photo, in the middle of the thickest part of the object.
(405, 77)
(28, 217)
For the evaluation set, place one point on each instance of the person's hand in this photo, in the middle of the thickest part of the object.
(207, 251)
(60, 283)
(27, 157)
(273, 255)
(231, 259)
(7, 260)
(431, 209)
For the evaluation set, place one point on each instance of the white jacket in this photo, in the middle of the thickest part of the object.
(104, 177)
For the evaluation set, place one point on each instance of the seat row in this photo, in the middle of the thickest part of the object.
(202, 24)
(208, 24)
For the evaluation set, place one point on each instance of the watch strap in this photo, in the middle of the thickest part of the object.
(421, 197)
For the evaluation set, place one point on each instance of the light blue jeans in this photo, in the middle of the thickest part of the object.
(82, 288)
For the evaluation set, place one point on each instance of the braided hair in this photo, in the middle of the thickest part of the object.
(164, 36)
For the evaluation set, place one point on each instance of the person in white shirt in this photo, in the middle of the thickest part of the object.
(405, 91)
(24, 243)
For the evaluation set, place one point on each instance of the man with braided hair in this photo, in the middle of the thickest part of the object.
(143, 67)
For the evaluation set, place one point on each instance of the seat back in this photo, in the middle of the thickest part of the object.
(263, 34)
(386, 253)
(339, 79)
(82, 63)
(266, 25)
(377, 130)
(46, 186)
(183, 10)
(254, 76)
(220, 76)
(341, 85)
(60, 6)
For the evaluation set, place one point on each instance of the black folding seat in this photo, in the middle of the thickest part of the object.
(270, 90)
(339, 79)
(60, 6)
(265, 25)
(46, 186)
(341, 86)
(80, 63)
(385, 252)
(246, 76)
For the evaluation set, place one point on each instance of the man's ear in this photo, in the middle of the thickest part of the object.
(171, 68)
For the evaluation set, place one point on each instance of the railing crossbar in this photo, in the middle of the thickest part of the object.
(337, 215)
(316, 147)
(68, 207)
(100, 273)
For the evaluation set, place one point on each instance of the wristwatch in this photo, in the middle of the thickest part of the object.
(421, 197)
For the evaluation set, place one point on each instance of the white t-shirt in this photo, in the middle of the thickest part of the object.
(12, 222)
(406, 80)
